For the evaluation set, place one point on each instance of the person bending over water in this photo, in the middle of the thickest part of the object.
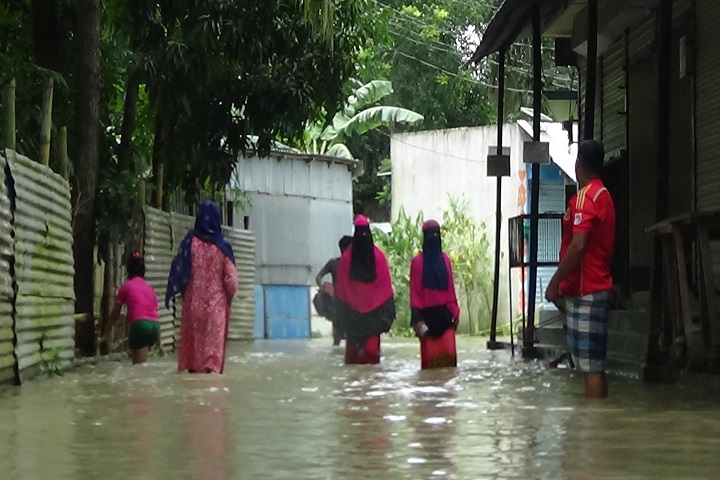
(328, 294)
(142, 312)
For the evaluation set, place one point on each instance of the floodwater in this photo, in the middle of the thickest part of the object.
(287, 410)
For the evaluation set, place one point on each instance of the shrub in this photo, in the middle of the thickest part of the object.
(467, 244)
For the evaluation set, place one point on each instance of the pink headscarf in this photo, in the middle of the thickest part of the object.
(429, 225)
(362, 221)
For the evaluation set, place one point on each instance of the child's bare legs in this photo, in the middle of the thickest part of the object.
(140, 355)
(159, 346)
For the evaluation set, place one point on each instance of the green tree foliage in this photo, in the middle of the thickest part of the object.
(423, 47)
(181, 88)
(320, 14)
(209, 78)
(221, 71)
(360, 115)
(32, 47)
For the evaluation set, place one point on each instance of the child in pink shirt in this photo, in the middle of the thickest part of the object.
(142, 311)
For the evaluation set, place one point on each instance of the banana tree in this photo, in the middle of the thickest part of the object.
(320, 14)
(360, 115)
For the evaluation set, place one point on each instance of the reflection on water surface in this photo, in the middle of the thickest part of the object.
(294, 411)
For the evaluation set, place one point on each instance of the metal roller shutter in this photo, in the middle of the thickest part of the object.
(614, 117)
(552, 198)
(599, 92)
(707, 103)
(582, 74)
(582, 69)
(641, 39)
(680, 7)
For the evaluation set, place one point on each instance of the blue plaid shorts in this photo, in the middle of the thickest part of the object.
(587, 329)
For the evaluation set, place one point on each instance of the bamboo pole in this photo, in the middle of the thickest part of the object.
(159, 179)
(141, 193)
(108, 291)
(46, 116)
(138, 219)
(82, 317)
(63, 160)
(9, 140)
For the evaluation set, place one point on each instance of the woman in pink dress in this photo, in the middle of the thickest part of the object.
(204, 273)
(433, 301)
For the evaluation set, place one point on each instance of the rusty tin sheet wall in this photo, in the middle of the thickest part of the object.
(243, 307)
(44, 265)
(180, 225)
(159, 252)
(7, 359)
(163, 234)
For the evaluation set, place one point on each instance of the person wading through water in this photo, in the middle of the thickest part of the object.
(204, 273)
(365, 299)
(582, 284)
(326, 294)
(142, 312)
(433, 302)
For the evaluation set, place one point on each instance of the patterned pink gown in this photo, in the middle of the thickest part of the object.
(205, 310)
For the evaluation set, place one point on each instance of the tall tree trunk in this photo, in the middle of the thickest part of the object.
(87, 103)
(161, 135)
(47, 40)
(62, 165)
(46, 121)
(125, 152)
(9, 139)
(136, 242)
(106, 303)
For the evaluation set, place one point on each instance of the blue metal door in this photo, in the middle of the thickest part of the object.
(287, 312)
(259, 327)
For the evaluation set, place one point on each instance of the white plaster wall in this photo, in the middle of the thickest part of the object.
(299, 210)
(428, 167)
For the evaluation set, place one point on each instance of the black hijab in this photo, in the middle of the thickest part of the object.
(435, 273)
(362, 260)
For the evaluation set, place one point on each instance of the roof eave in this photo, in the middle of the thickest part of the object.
(511, 21)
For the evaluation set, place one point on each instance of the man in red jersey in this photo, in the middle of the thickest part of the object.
(582, 284)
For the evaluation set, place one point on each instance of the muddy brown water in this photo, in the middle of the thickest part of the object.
(292, 410)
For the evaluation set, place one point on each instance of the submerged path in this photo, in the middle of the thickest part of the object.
(289, 410)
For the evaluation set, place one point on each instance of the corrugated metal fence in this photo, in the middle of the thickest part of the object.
(179, 226)
(158, 254)
(243, 308)
(7, 357)
(36, 268)
(163, 234)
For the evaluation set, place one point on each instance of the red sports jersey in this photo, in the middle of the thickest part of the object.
(590, 211)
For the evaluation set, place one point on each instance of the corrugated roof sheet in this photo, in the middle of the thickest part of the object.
(512, 20)
(44, 265)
